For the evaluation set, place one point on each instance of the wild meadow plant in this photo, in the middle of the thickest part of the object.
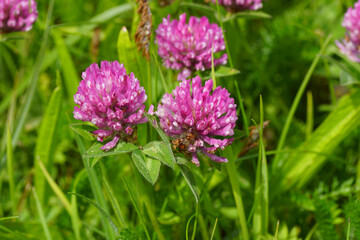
(189, 120)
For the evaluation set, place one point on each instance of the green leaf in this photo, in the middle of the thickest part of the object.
(159, 151)
(45, 141)
(127, 51)
(93, 161)
(248, 15)
(181, 160)
(190, 180)
(148, 167)
(112, 12)
(84, 130)
(121, 147)
(304, 163)
(224, 72)
(164, 137)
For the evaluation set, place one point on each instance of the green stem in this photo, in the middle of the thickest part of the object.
(213, 231)
(237, 89)
(96, 189)
(297, 101)
(212, 67)
(195, 223)
(246, 124)
(309, 115)
(202, 225)
(10, 168)
(233, 176)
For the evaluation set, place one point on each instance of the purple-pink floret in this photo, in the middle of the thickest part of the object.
(111, 100)
(195, 118)
(350, 46)
(187, 46)
(240, 5)
(17, 15)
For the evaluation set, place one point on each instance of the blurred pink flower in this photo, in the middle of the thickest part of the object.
(17, 15)
(350, 46)
(187, 46)
(240, 5)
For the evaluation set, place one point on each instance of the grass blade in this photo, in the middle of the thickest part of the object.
(248, 15)
(261, 205)
(165, 86)
(136, 208)
(98, 207)
(41, 215)
(233, 176)
(96, 188)
(296, 102)
(309, 114)
(45, 141)
(277, 230)
(187, 226)
(18, 235)
(348, 231)
(190, 180)
(67, 65)
(33, 80)
(10, 169)
(76, 223)
(212, 67)
(56, 188)
(8, 218)
(213, 231)
(302, 164)
(114, 201)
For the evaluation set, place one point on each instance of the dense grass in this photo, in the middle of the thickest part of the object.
(294, 175)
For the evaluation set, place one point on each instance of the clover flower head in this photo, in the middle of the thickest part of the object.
(17, 15)
(194, 118)
(187, 46)
(350, 46)
(111, 100)
(240, 5)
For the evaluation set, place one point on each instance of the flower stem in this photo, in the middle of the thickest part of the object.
(237, 89)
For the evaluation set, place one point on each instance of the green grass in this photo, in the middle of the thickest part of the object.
(294, 177)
